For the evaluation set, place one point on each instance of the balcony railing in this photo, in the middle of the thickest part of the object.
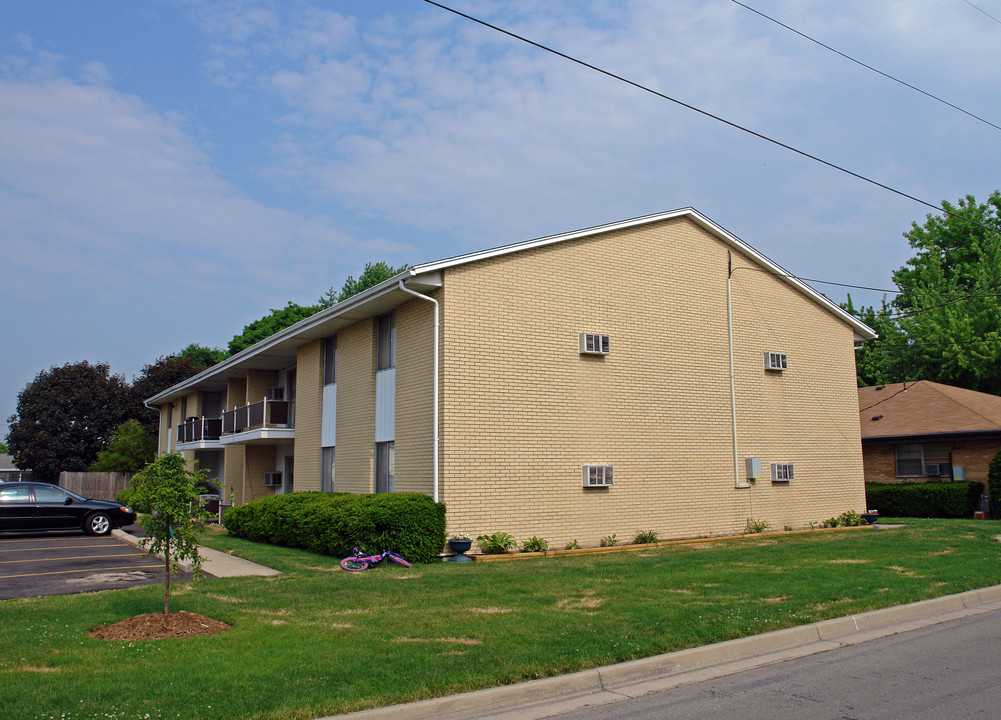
(264, 413)
(195, 429)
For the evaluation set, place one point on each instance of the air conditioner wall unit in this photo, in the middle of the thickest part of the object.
(936, 469)
(274, 393)
(271, 479)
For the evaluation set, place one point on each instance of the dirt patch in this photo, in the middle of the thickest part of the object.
(450, 640)
(158, 626)
(773, 600)
(36, 669)
(586, 601)
(848, 561)
(490, 610)
(112, 577)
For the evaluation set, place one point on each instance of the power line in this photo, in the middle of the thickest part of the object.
(705, 113)
(868, 67)
(983, 11)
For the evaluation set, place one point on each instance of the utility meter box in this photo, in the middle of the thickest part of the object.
(958, 474)
(753, 468)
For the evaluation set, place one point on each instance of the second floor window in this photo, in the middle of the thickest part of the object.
(386, 341)
(330, 360)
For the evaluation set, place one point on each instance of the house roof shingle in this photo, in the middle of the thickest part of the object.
(926, 408)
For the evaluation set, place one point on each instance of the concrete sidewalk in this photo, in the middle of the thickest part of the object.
(542, 698)
(214, 563)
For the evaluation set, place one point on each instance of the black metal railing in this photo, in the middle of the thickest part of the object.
(264, 413)
(195, 429)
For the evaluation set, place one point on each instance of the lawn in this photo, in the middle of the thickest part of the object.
(318, 641)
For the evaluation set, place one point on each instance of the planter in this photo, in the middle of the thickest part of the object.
(459, 547)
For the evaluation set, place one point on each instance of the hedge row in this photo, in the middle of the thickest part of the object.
(928, 500)
(410, 524)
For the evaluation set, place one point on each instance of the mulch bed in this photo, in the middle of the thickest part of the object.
(157, 626)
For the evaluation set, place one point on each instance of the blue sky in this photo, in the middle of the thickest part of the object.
(170, 170)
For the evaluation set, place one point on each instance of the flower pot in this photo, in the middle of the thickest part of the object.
(459, 547)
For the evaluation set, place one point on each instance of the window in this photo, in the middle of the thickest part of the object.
(910, 460)
(50, 495)
(386, 341)
(327, 469)
(596, 475)
(330, 360)
(15, 495)
(385, 466)
(776, 361)
(594, 344)
(782, 472)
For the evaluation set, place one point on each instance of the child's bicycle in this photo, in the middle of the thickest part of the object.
(360, 561)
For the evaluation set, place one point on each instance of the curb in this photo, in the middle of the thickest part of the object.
(538, 699)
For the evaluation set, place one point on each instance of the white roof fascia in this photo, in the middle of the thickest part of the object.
(862, 331)
(325, 315)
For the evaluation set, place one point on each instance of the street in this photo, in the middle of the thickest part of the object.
(950, 670)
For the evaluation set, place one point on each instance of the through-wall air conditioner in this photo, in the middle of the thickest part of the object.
(271, 479)
(274, 393)
(594, 344)
(776, 361)
(596, 475)
(782, 472)
(936, 469)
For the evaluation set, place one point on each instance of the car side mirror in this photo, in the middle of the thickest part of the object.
(68, 501)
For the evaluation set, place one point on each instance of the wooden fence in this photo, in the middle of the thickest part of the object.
(95, 485)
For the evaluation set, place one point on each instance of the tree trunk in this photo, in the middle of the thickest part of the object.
(166, 592)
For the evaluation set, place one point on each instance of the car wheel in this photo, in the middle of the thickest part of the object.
(98, 524)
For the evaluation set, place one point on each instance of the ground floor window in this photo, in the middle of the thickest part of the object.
(327, 469)
(385, 466)
(916, 460)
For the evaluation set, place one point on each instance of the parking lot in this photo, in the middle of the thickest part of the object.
(58, 563)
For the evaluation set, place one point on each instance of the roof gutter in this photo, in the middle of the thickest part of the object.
(434, 420)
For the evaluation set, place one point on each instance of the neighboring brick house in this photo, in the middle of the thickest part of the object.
(921, 431)
(584, 389)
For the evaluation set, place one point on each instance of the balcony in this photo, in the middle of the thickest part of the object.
(199, 433)
(264, 422)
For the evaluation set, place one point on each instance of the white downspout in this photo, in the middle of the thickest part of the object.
(733, 390)
(407, 290)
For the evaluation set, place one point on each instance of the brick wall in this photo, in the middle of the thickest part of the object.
(308, 406)
(974, 455)
(523, 410)
(355, 408)
(414, 397)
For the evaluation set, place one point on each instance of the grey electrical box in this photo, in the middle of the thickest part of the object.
(753, 468)
(958, 474)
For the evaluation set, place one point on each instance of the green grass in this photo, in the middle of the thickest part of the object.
(318, 641)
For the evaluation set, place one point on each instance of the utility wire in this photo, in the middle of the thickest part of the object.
(983, 11)
(706, 113)
(868, 67)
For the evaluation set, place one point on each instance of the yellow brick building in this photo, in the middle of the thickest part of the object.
(652, 374)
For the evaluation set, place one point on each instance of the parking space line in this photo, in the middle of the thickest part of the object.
(77, 557)
(101, 541)
(87, 570)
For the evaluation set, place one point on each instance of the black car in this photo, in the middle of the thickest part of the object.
(40, 506)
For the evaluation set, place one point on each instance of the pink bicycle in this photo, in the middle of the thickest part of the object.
(360, 561)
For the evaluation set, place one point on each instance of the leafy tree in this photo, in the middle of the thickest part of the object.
(167, 494)
(129, 450)
(64, 417)
(994, 487)
(203, 357)
(270, 324)
(4, 450)
(945, 325)
(156, 377)
(373, 274)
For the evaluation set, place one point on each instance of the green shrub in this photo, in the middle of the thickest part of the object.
(335, 523)
(496, 544)
(125, 497)
(573, 545)
(609, 540)
(994, 487)
(645, 536)
(535, 544)
(756, 525)
(928, 500)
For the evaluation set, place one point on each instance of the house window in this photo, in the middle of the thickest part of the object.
(385, 466)
(910, 460)
(330, 360)
(386, 341)
(327, 469)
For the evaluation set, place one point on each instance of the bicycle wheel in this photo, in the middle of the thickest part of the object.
(398, 559)
(354, 564)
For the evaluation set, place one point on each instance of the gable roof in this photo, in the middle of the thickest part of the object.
(278, 351)
(926, 408)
